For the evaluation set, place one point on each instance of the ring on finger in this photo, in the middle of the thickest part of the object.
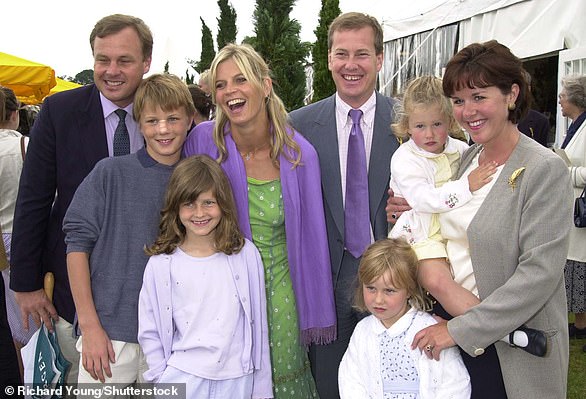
(429, 348)
(394, 215)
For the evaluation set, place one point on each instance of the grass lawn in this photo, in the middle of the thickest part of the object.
(577, 369)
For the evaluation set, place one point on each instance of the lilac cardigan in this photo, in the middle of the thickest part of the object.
(305, 228)
(155, 314)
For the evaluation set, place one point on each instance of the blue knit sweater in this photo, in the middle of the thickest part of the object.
(115, 212)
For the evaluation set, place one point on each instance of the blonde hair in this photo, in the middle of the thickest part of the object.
(204, 78)
(193, 176)
(425, 91)
(165, 91)
(395, 256)
(256, 71)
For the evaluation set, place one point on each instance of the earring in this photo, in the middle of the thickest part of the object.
(512, 106)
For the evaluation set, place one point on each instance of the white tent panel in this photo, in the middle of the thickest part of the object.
(442, 13)
(530, 28)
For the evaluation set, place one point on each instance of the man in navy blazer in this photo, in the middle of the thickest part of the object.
(74, 130)
(355, 52)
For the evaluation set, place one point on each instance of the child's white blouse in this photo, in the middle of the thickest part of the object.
(360, 370)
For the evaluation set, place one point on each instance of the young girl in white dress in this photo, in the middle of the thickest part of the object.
(379, 362)
(202, 307)
(421, 171)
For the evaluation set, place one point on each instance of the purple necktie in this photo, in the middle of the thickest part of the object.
(356, 214)
(121, 138)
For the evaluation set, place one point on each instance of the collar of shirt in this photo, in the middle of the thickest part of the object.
(111, 121)
(343, 119)
(109, 107)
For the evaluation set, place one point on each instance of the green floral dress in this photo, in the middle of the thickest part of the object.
(291, 371)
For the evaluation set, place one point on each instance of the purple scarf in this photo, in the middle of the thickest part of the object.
(308, 255)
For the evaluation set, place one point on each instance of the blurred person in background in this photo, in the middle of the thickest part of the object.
(572, 100)
(12, 149)
(204, 107)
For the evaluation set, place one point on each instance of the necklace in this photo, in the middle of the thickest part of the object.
(248, 155)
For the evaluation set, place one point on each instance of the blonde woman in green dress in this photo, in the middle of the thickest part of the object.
(274, 173)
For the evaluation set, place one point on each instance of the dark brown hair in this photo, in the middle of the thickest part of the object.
(201, 100)
(8, 104)
(488, 64)
(355, 21)
(193, 176)
(115, 23)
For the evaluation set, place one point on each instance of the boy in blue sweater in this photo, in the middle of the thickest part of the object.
(114, 214)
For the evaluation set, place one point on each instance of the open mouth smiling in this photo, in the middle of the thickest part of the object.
(235, 103)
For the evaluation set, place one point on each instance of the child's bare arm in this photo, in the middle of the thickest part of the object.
(481, 176)
(97, 350)
(435, 276)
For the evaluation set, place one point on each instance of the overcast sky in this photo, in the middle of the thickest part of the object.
(56, 32)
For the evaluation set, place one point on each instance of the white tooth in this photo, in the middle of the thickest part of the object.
(235, 101)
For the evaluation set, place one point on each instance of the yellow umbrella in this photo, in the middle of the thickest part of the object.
(29, 80)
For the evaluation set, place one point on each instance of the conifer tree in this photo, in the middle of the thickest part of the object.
(323, 84)
(277, 40)
(207, 48)
(226, 24)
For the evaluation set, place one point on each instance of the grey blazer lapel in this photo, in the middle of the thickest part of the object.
(326, 145)
(494, 203)
(384, 144)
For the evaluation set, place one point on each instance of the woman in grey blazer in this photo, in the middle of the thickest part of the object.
(511, 240)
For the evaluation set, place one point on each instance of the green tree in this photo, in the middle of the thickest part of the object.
(207, 49)
(166, 67)
(84, 77)
(323, 84)
(226, 24)
(189, 78)
(277, 40)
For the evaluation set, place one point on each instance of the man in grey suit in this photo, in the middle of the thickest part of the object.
(355, 55)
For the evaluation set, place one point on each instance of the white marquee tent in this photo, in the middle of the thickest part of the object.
(530, 28)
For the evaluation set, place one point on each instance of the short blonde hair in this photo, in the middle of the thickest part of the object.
(162, 90)
(424, 91)
(395, 256)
